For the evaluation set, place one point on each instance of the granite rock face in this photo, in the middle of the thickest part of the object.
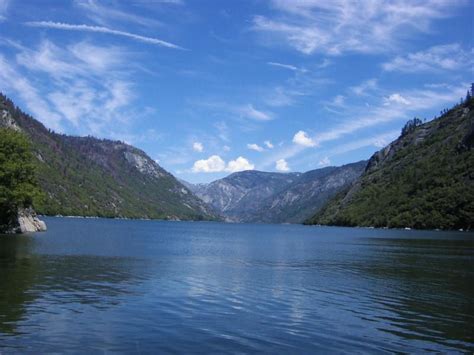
(264, 197)
(28, 222)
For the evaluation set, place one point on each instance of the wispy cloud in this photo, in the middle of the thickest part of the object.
(37, 106)
(362, 118)
(105, 14)
(365, 88)
(81, 88)
(287, 66)
(445, 57)
(338, 26)
(249, 111)
(324, 162)
(396, 99)
(3, 9)
(100, 29)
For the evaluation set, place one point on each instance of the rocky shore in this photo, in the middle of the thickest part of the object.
(27, 222)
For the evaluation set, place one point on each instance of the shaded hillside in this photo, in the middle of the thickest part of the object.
(424, 179)
(255, 196)
(86, 176)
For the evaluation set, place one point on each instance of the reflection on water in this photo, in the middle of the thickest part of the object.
(131, 286)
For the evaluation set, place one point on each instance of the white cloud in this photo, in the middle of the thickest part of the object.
(362, 117)
(280, 96)
(104, 14)
(84, 90)
(251, 112)
(302, 138)
(324, 162)
(287, 66)
(11, 78)
(281, 165)
(338, 100)
(226, 148)
(3, 9)
(338, 26)
(268, 144)
(239, 164)
(255, 147)
(100, 29)
(396, 99)
(215, 164)
(365, 88)
(198, 147)
(443, 57)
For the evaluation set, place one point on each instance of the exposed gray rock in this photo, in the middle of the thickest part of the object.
(27, 222)
(256, 196)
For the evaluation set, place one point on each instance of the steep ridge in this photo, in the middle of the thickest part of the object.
(256, 196)
(424, 179)
(86, 176)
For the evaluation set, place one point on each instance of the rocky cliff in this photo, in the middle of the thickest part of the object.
(256, 196)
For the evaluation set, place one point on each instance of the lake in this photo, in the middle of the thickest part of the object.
(98, 285)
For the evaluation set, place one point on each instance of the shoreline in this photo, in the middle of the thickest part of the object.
(407, 229)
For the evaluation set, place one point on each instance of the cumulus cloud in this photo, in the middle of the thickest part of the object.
(443, 57)
(302, 138)
(255, 147)
(239, 164)
(215, 164)
(324, 162)
(198, 147)
(281, 165)
(268, 144)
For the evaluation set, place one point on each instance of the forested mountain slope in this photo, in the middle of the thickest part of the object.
(87, 176)
(424, 179)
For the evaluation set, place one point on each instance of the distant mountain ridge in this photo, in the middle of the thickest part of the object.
(256, 196)
(424, 179)
(86, 176)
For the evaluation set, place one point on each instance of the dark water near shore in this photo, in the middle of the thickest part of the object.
(95, 286)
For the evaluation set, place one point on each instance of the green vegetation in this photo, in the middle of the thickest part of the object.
(425, 179)
(85, 176)
(17, 177)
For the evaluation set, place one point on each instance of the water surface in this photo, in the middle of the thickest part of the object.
(96, 285)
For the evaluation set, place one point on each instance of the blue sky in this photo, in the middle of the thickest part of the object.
(211, 87)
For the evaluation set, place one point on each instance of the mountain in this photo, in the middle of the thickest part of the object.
(424, 179)
(87, 176)
(256, 196)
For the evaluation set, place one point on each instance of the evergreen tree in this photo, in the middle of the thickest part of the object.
(17, 176)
